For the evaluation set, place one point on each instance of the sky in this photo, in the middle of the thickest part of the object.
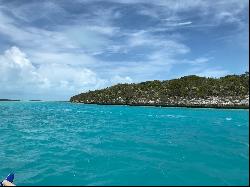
(54, 49)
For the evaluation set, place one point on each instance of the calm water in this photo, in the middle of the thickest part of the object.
(59, 143)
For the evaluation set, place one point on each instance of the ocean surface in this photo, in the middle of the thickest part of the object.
(59, 143)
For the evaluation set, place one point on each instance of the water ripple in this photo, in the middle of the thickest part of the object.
(48, 143)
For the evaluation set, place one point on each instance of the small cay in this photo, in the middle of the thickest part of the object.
(231, 91)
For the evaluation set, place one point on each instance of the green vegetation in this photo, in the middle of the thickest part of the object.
(233, 88)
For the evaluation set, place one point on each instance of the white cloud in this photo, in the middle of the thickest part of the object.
(17, 57)
(198, 61)
(170, 46)
(34, 37)
(17, 71)
(149, 12)
(202, 66)
(213, 73)
(45, 10)
(90, 38)
(106, 30)
(72, 58)
(20, 76)
(118, 79)
(60, 60)
(210, 13)
(184, 23)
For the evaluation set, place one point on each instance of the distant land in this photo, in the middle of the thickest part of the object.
(9, 100)
(231, 91)
(35, 100)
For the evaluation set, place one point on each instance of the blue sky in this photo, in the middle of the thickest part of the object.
(53, 49)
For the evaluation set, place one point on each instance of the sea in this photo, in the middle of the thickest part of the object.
(62, 143)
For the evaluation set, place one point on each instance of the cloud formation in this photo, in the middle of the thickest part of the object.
(21, 77)
(55, 49)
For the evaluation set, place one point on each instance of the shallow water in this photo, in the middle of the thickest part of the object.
(59, 143)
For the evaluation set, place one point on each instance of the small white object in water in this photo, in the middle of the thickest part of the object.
(228, 119)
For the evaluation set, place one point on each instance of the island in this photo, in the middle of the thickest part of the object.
(9, 100)
(231, 91)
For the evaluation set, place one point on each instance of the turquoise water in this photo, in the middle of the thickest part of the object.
(59, 143)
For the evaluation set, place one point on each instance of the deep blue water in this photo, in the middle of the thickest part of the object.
(59, 143)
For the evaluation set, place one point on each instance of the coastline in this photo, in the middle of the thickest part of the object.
(171, 106)
(9, 100)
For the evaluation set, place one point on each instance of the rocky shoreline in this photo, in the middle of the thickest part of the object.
(210, 102)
